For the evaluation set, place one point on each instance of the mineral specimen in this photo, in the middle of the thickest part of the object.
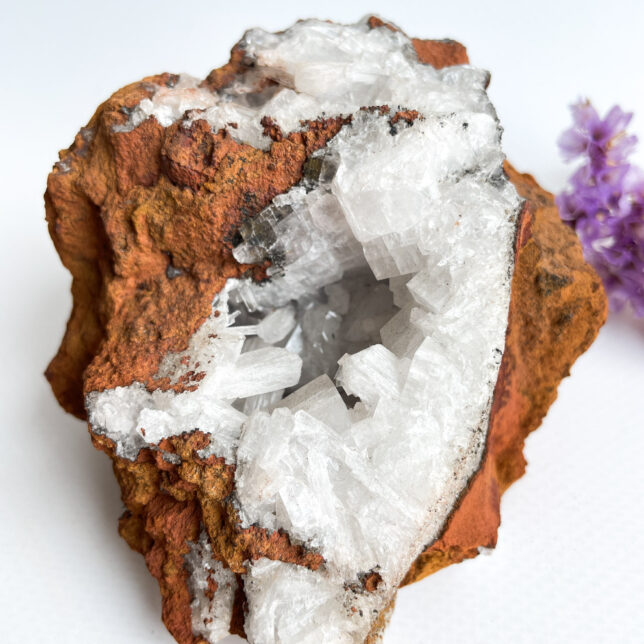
(314, 318)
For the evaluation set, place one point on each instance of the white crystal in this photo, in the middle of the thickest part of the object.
(320, 398)
(400, 335)
(288, 603)
(259, 372)
(371, 374)
(210, 615)
(276, 325)
(431, 287)
(424, 205)
(167, 103)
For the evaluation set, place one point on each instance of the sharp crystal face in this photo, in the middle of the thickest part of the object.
(352, 390)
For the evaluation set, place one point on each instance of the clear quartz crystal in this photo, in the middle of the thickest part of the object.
(352, 391)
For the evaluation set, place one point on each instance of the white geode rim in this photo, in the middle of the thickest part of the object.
(366, 487)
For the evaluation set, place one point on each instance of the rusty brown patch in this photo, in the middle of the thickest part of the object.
(371, 581)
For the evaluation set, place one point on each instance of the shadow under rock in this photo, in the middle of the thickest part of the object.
(87, 478)
(68, 466)
(625, 322)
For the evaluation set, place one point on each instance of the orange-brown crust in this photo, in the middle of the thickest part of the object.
(168, 503)
(437, 53)
(380, 624)
(144, 222)
(440, 53)
(223, 76)
(123, 207)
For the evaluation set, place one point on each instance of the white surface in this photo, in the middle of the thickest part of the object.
(568, 567)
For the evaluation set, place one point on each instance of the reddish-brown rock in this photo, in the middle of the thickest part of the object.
(144, 221)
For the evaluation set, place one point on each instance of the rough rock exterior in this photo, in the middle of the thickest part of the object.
(145, 215)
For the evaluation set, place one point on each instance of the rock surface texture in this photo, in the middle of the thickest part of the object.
(315, 316)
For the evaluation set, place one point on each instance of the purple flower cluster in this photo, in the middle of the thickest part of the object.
(605, 202)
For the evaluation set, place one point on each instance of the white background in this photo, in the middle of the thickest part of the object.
(569, 564)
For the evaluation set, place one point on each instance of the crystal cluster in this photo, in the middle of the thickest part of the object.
(394, 255)
(321, 421)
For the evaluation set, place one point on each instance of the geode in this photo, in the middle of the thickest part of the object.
(315, 315)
